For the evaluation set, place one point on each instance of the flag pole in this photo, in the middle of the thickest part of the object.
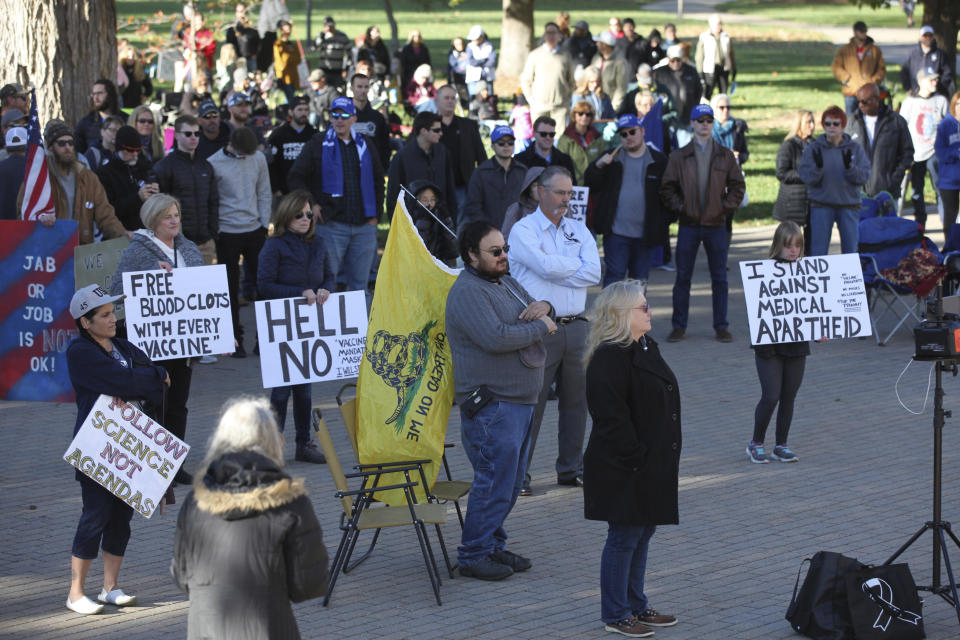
(425, 208)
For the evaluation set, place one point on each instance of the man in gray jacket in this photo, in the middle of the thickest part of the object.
(495, 330)
(884, 135)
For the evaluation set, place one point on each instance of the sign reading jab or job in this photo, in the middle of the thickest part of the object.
(97, 264)
(301, 342)
(809, 299)
(36, 285)
(182, 313)
(578, 204)
(127, 453)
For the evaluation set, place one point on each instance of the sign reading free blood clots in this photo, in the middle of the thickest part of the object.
(182, 313)
(124, 451)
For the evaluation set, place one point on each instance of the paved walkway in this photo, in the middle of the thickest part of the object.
(862, 487)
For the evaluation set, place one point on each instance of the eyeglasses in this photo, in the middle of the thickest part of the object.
(832, 123)
(145, 121)
(496, 252)
(704, 120)
(546, 134)
(504, 143)
(438, 130)
(189, 134)
(644, 307)
(63, 143)
(584, 113)
(722, 107)
(867, 101)
(210, 116)
(628, 133)
(302, 215)
(339, 116)
(98, 93)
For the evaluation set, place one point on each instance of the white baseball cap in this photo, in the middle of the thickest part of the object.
(16, 137)
(90, 297)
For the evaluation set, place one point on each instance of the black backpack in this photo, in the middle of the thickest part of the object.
(820, 610)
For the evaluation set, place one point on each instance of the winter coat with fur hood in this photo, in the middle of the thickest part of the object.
(247, 544)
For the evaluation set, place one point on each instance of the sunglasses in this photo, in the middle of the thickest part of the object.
(504, 143)
(211, 115)
(145, 121)
(302, 215)
(339, 116)
(832, 123)
(867, 101)
(704, 120)
(63, 143)
(437, 130)
(628, 133)
(546, 134)
(496, 252)
(189, 134)
(584, 113)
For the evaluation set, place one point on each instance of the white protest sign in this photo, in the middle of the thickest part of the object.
(179, 314)
(578, 204)
(809, 299)
(302, 342)
(127, 453)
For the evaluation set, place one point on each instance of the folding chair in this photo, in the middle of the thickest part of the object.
(884, 242)
(359, 512)
(880, 205)
(448, 490)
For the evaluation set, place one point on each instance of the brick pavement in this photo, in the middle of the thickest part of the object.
(862, 487)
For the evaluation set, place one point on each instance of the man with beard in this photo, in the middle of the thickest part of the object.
(126, 178)
(214, 133)
(496, 332)
(104, 101)
(77, 193)
(286, 142)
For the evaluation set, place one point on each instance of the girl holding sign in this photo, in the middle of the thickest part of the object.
(101, 363)
(295, 262)
(779, 366)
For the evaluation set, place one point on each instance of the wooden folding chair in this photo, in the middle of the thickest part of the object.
(360, 513)
(448, 490)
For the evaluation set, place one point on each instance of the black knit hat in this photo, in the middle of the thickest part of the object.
(128, 139)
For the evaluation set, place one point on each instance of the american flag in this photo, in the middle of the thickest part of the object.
(37, 198)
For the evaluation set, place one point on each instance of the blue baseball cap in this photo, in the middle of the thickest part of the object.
(701, 110)
(627, 121)
(501, 131)
(238, 97)
(344, 104)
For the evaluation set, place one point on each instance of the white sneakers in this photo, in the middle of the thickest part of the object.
(87, 607)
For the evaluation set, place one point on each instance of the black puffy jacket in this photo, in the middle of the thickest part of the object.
(891, 153)
(121, 183)
(791, 204)
(191, 181)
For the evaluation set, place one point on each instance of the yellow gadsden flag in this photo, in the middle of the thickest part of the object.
(405, 387)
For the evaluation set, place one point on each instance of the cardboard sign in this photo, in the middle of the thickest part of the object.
(578, 204)
(302, 342)
(36, 285)
(127, 453)
(810, 299)
(183, 313)
(97, 263)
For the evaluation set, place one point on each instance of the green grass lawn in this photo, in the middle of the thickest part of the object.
(832, 13)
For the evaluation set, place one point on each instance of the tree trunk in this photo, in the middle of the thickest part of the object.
(944, 17)
(394, 31)
(515, 42)
(62, 47)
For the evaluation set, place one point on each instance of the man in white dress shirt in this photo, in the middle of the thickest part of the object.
(555, 258)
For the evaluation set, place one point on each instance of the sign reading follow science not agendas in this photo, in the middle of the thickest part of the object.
(809, 299)
(183, 313)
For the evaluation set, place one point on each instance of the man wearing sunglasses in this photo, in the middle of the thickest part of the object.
(497, 182)
(423, 158)
(885, 136)
(215, 134)
(702, 187)
(542, 153)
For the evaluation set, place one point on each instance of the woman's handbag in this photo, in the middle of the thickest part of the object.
(884, 604)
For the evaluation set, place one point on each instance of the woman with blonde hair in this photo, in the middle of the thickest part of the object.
(590, 90)
(145, 122)
(791, 204)
(632, 461)
(248, 542)
(139, 85)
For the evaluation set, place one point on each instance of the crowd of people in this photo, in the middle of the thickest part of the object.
(284, 180)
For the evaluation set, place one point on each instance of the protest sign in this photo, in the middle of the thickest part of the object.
(97, 263)
(182, 313)
(578, 204)
(127, 453)
(301, 342)
(809, 299)
(36, 285)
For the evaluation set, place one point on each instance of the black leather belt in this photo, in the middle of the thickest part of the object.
(568, 319)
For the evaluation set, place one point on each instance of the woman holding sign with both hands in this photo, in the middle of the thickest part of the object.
(160, 245)
(101, 363)
(294, 262)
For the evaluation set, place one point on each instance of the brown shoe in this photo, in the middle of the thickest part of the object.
(724, 336)
(653, 618)
(630, 627)
(676, 335)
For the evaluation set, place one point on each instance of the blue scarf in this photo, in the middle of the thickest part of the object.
(332, 170)
(723, 133)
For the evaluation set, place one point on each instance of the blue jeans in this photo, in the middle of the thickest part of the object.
(105, 522)
(714, 241)
(624, 255)
(623, 564)
(301, 408)
(352, 251)
(850, 104)
(821, 226)
(496, 441)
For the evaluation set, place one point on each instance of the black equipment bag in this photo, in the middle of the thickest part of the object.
(820, 610)
(884, 604)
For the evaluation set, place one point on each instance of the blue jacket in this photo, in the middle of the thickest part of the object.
(947, 149)
(833, 185)
(288, 265)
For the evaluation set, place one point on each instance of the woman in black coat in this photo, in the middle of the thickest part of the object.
(631, 465)
(295, 262)
(791, 204)
(248, 542)
(439, 242)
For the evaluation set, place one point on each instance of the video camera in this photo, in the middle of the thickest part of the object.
(937, 337)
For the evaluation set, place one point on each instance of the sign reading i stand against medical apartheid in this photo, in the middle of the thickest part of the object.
(97, 264)
(182, 313)
(809, 299)
(36, 285)
(578, 204)
(302, 342)
(124, 451)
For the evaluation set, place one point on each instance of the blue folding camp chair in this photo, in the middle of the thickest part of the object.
(880, 205)
(884, 242)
